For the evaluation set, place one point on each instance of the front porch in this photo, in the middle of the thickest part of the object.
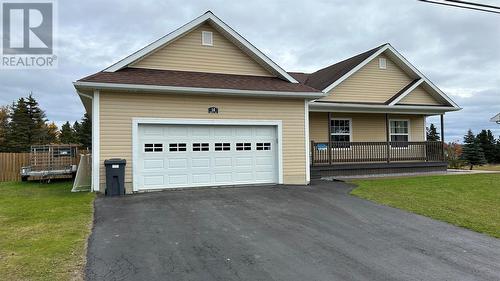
(366, 143)
(340, 153)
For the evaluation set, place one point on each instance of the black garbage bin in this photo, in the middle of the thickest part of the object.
(115, 176)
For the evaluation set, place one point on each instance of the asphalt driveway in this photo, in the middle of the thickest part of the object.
(278, 233)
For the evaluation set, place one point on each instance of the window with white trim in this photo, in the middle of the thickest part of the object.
(340, 130)
(153, 147)
(207, 38)
(382, 63)
(399, 132)
(173, 147)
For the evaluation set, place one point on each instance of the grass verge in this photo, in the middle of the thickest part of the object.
(44, 229)
(470, 201)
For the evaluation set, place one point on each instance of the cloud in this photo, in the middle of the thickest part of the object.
(456, 48)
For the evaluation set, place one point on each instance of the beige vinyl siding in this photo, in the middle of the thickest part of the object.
(318, 122)
(366, 127)
(419, 97)
(371, 84)
(187, 54)
(118, 109)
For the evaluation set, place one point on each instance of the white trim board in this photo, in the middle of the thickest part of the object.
(193, 90)
(307, 141)
(402, 62)
(175, 121)
(95, 142)
(407, 92)
(244, 45)
(378, 108)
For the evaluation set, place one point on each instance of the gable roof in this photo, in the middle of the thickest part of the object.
(322, 78)
(223, 28)
(142, 76)
(329, 77)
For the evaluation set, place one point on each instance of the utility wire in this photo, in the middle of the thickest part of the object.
(466, 5)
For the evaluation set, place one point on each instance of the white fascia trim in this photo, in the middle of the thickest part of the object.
(404, 61)
(193, 90)
(409, 90)
(176, 121)
(422, 76)
(368, 108)
(157, 44)
(307, 141)
(354, 70)
(84, 95)
(190, 26)
(95, 142)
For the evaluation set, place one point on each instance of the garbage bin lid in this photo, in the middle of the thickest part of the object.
(114, 161)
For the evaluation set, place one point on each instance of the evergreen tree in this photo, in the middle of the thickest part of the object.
(38, 122)
(472, 151)
(19, 133)
(68, 134)
(487, 142)
(432, 134)
(4, 127)
(84, 132)
(27, 125)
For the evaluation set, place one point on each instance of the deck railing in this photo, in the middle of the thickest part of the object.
(331, 153)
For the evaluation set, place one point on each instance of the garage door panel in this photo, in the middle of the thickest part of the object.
(205, 179)
(243, 176)
(223, 131)
(243, 162)
(178, 163)
(178, 179)
(263, 175)
(210, 155)
(179, 131)
(154, 180)
(153, 164)
(223, 162)
(223, 177)
(200, 132)
(200, 163)
(243, 132)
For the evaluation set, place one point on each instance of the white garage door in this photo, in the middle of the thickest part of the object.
(173, 156)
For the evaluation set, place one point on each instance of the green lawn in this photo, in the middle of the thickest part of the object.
(43, 231)
(471, 201)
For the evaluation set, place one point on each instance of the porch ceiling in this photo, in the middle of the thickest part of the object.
(319, 106)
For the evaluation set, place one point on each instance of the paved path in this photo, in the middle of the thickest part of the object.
(278, 233)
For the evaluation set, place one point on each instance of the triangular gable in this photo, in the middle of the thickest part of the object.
(419, 96)
(370, 84)
(398, 59)
(223, 29)
(189, 54)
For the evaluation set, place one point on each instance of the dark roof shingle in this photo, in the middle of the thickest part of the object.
(323, 78)
(197, 80)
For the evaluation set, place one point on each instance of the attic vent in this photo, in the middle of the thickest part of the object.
(207, 38)
(382, 63)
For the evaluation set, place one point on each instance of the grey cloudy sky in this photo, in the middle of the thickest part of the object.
(459, 50)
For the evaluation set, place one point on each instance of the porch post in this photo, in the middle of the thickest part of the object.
(387, 138)
(329, 138)
(442, 136)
